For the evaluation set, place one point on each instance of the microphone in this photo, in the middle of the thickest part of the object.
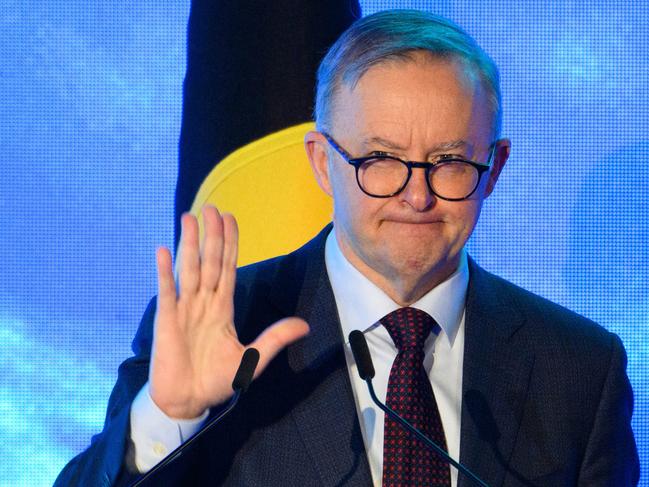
(362, 355)
(240, 384)
(365, 367)
(246, 370)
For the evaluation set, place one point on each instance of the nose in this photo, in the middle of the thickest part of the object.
(416, 193)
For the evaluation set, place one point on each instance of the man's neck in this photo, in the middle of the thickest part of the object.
(405, 290)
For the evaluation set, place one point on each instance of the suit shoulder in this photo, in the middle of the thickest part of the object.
(265, 274)
(553, 321)
(282, 269)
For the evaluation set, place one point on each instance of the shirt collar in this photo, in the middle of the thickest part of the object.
(361, 304)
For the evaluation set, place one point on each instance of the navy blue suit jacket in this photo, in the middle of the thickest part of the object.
(546, 400)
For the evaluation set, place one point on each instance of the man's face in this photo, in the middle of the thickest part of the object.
(415, 110)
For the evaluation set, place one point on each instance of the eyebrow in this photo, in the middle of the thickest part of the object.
(441, 147)
(382, 142)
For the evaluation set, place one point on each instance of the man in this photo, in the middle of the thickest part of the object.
(520, 390)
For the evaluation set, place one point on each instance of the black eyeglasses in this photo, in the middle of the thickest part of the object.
(382, 176)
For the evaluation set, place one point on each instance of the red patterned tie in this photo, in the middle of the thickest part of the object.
(406, 460)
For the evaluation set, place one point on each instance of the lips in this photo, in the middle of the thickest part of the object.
(413, 222)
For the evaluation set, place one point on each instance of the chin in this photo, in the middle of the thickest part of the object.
(415, 264)
(424, 259)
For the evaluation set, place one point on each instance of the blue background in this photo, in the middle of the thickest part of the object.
(90, 108)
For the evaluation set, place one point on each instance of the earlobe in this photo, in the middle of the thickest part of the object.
(503, 148)
(315, 146)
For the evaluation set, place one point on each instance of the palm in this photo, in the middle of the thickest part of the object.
(196, 350)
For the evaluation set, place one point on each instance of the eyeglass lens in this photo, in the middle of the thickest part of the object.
(386, 176)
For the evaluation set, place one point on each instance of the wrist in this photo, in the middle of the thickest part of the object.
(178, 410)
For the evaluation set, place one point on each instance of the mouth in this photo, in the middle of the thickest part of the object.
(406, 221)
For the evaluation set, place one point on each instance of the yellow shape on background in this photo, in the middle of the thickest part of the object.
(269, 187)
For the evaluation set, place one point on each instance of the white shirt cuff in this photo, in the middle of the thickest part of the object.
(154, 434)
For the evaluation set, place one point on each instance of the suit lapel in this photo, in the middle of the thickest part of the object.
(326, 418)
(496, 374)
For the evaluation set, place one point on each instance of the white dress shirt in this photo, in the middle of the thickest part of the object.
(360, 305)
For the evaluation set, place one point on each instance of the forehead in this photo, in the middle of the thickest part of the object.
(420, 58)
(419, 97)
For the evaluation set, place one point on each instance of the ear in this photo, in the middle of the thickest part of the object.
(316, 150)
(503, 147)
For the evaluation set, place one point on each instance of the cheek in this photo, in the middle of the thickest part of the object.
(356, 214)
(466, 217)
(349, 200)
(342, 196)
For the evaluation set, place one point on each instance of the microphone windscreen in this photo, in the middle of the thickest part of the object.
(361, 354)
(246, 370)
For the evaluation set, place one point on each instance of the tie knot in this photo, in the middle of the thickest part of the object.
(408, 327)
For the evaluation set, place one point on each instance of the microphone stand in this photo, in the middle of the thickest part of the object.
(427, 441)
(363, 360)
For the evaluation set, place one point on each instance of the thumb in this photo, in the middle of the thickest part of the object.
(277, 337)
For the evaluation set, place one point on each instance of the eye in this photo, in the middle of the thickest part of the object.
(449, 157)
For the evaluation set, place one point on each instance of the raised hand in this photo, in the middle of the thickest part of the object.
(196, 351)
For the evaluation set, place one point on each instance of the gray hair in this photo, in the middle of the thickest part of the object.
(396, 35)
